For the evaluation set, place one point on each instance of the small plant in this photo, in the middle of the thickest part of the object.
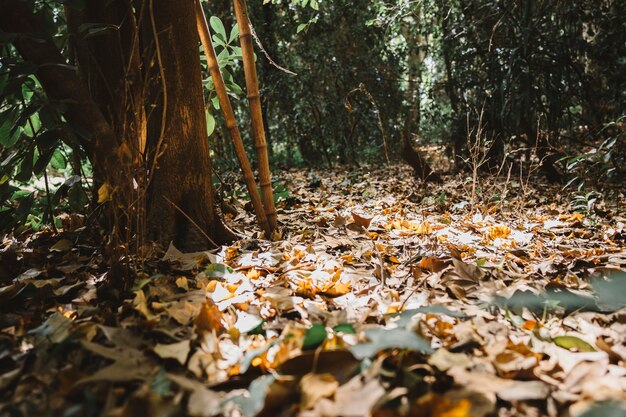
(584, 203)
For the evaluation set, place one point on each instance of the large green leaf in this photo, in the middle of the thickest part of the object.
(218, 27)
(314, 337)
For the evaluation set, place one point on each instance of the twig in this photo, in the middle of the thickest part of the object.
(157, 45)
(267, 56)
(192, 222)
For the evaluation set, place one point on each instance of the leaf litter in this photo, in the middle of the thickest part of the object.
(383, 297)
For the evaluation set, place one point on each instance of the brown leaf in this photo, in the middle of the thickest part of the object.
(364, 222)
(209, 319)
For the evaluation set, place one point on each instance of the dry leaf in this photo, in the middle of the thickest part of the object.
(363, 222)
(178, 351)
(498, 232)
(315, 387)
(209, 319)
(105, 192)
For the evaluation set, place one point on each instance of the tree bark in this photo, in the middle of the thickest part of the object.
(181, 207)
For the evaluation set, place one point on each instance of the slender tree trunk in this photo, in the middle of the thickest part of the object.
(256, 114)
(229, 116)
(458, 128)
(415, 61)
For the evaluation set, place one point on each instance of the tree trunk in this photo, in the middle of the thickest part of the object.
(181, 206)
(415, 61)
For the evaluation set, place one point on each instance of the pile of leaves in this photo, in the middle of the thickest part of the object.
(383, 297)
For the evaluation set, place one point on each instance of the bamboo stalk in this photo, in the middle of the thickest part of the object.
(229, 116)
(256, 115)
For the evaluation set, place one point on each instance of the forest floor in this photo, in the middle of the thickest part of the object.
(382, 297)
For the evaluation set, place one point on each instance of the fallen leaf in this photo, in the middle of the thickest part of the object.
(444, 360)
(363, 222)
(209, 319)
(314, 387)
(573, 343)
(178, 351)
(62, 245)
(381, 339)
(314, 337)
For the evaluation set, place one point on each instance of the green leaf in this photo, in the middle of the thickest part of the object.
(210, 123)
(26, 167)
(7, 139)
(234, 32)
(58, 160)
(314, 337)
(4, 78)
(55, 329)
(218, 270)
(611, 292)
(42, 162)
(140, 283)
(381, 339)
(250, 355)
(573, 342)
(218, 27)
(32, 127)
(301, 27)
(346, 328)
(160, 384)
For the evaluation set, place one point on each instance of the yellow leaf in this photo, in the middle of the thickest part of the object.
(124, 153)
(424, 228)
(336, 289)
(105, 192)
(446, 409)
(498, 231)
(253, 274)
(306, 289)
(181, 282)
(210, 287)
(140, 303)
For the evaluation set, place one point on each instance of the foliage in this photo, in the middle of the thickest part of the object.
(35, 143)
(601, 165)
